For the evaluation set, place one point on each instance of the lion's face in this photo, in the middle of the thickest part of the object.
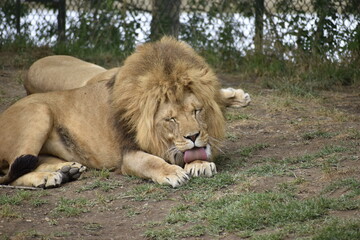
(183, 127)
(169, 98)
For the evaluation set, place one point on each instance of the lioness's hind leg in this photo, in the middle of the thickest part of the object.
(51, 172)
(24, 128)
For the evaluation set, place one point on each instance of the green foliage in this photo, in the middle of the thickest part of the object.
(234, 117)
(256, 211)
(7, 211)
(317, 134)
(71, 207)
(349, 185)
(217, 182)
(248, 151)
(15, 199)
(147, 191)
(339, 229)
(245, 213)
(104, 185)
(321, 55)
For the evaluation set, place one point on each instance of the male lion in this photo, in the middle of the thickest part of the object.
(158, 117)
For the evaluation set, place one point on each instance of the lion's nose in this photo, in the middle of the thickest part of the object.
(192, 137)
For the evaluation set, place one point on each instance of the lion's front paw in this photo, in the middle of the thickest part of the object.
(71, 171)
(200, 168)
(172, 175)
(235, 97)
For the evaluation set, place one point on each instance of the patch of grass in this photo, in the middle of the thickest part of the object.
(267, 170)
(280, 212)
(104, 185)
(269, 236)
(354, 134)
(218, 181)
(230, 117)
(38, 202)
(93, 226)
(258, 210)
(162, 234)
(132, 212)
(169, 233)
(18, 198)
(232, 137)
(248, 151)
(307, 160)
(350, 186)
(147, 191)
(62, 234)
(102, 174)
(317, 134)
(330, 164)
(30, 234)
(7, 211)
(339, 229)
(71, 207)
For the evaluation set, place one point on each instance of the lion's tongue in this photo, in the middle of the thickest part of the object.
(195, 154)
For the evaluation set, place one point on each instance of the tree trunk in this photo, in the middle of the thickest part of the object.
(165, 18)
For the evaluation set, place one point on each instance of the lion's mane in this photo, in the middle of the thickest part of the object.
(159, 72)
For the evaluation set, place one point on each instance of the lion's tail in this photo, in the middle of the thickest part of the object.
(22, 165)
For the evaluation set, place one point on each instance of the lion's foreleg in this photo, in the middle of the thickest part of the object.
(147, 166)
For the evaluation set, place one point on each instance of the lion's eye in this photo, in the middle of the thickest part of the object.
(197, 111)
(170, 119)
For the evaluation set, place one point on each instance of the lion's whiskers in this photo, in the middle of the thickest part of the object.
(215, 143)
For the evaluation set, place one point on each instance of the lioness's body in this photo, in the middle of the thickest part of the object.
(157, 117)
(62, 72)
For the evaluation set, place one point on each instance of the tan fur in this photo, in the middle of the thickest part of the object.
(136, 119)
(52, 73)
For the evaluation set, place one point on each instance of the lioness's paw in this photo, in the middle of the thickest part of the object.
(235, 97)
(200, 168)
(48, 180)
(173, 175)
(71, 171)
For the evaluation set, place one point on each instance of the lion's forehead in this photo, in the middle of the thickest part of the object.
(186, 105)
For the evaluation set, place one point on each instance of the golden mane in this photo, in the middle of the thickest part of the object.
(159, 72)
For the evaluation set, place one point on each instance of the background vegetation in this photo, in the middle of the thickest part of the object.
(297, 46)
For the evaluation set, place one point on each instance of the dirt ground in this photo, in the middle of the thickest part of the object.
(279, 121)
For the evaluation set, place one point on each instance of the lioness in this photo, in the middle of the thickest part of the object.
(158, 117)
